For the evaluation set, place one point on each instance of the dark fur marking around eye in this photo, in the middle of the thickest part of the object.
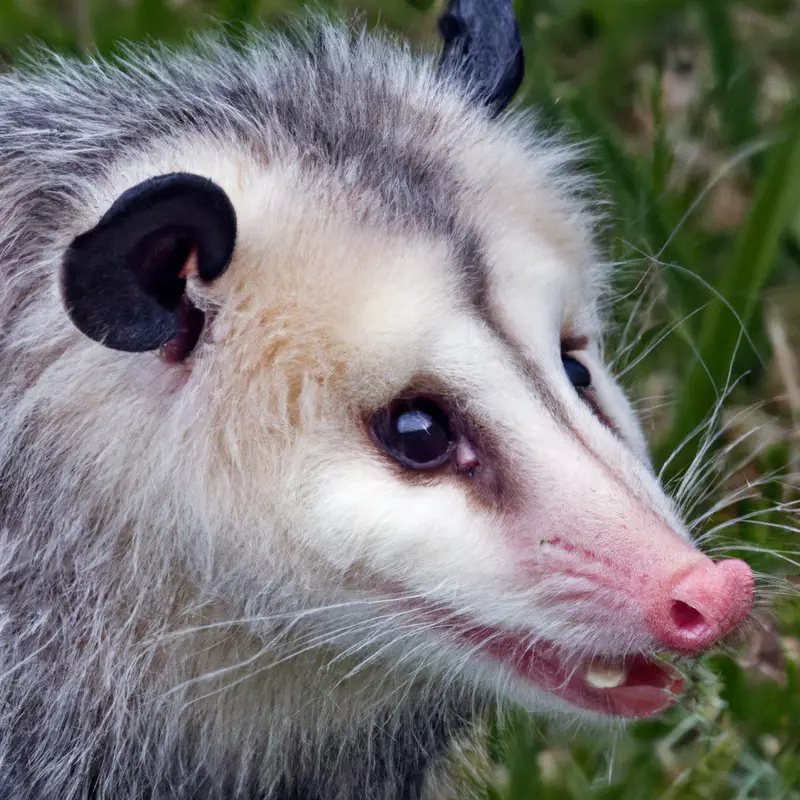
(527, 368)
(476, 461)
(590, 398)
(573, 344)
(554, 406)
(123, 282)
(551, 402)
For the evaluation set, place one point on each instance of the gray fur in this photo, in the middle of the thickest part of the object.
(85, 710)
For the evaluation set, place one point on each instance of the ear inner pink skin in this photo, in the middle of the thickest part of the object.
(190, 267)
(190, 328)
(190, 320)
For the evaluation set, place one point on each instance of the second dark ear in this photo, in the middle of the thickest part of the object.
(482, 42)
(123, 281)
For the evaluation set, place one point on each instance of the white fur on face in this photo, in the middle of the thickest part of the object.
(323, 320)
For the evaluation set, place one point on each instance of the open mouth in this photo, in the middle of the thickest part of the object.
(634, 686)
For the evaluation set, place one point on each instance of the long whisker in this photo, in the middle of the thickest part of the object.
(302, 613)
(650, 348)
(317, 642)
(782, 508)
(708, 441)
(755, 549)
(747, 519)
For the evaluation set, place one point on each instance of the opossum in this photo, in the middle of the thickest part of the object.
(308, 453)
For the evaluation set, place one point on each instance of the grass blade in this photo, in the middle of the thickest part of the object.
(774, 208)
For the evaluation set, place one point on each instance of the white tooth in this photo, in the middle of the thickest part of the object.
(603, 676)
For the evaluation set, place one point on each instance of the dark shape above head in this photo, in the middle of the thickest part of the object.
(123, 281)
(483, 43)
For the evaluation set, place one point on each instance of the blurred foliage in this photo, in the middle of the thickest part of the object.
(689, 109)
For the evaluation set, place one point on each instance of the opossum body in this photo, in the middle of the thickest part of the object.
(307, 451)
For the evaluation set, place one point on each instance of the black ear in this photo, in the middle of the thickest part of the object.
(483, 43)
(123, 281)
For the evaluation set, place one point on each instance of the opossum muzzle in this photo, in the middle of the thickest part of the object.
(124, 281)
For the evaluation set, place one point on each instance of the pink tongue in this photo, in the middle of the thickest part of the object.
(649, 686)
(638, 701)
(648, 689)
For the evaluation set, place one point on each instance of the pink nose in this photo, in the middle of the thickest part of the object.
(702, 605)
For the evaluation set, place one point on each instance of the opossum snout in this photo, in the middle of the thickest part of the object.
(701, 606)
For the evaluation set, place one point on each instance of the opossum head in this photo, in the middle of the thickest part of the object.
(376, 378)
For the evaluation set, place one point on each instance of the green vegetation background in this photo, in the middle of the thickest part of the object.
(690, 110)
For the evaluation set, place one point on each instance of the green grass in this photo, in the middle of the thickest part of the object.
(690, 109)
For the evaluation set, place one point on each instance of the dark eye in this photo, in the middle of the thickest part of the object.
(416, 432)
(578, 375)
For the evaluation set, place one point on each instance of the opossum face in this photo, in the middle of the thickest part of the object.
(379, 389)
(417, 428)
(485, 467)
